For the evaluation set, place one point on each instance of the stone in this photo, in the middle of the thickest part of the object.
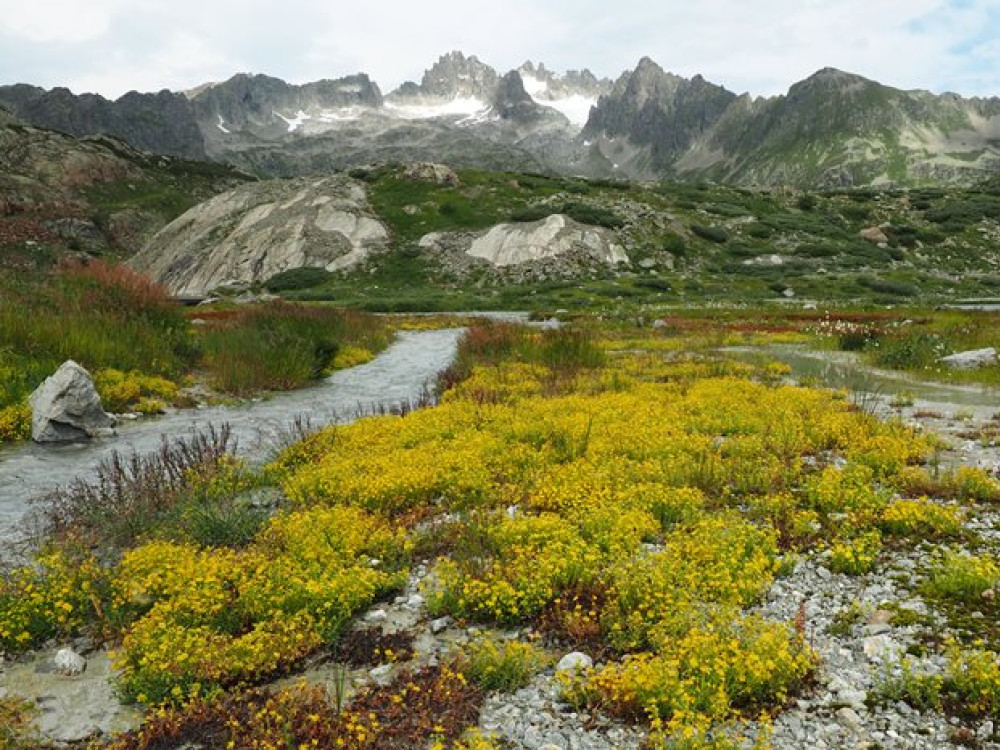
(874, 235)
(376, 615)
(576, 661)
(430, 172)
(514, 244)
(972, 359)
(67, 407)
(441, 624)
(415, 601)
(881, 647)
(69, 663)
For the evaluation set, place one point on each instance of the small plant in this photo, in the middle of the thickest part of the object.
(963, 577)
(844, 621)
(903, 683)
(856, 556)
(902, 400)
(16, 729)
(502, 665)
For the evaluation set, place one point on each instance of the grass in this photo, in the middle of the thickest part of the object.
(281, 346)
(186, 491)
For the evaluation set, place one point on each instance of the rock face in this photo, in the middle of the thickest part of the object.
(163, 123)
(514, 244)
(249, 234)
(972, 359)
(66, 407)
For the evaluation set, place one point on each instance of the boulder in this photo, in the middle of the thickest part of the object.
(67, 407)
(68, 662)
(556, 235)
(972, 359)
(576, 661)
(429, 172)
(875, 235)
(247, 235)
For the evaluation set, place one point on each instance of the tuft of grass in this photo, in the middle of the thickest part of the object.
(281, 345)
(185, 489)
(502, 665)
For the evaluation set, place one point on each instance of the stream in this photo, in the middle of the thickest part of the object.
(401, 373)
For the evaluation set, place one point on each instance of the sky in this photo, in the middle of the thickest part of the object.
(756, 46)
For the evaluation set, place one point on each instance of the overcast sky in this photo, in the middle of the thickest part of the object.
(760, 46)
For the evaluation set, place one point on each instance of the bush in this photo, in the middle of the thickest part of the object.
(280, 345)
(502, 665)
(297, 278)
(963, 577)
(712, 234)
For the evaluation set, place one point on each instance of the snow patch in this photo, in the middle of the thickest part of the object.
(575, 108)
(344, 114)
(294, 123)
(534, 86)
(222, 126)
(457, 107)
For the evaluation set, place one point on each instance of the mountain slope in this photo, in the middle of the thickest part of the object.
(97, 195)
(833, 129)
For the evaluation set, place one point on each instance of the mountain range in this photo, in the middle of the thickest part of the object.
(833, 129)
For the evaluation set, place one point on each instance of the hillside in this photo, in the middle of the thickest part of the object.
(678, 242)
(94, 195)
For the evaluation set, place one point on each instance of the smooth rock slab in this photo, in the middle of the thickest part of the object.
(67, 407)
(71, 708)
(972, 359)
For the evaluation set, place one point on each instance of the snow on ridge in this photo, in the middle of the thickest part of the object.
(534, 86)
(222, 126)
(459, 106)
(575, 108)
(344, 114)
(294, 123)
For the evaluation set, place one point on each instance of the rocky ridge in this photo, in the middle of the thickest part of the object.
(832, 129)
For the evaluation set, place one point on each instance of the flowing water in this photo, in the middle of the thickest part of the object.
(401, 373)
(836, 369)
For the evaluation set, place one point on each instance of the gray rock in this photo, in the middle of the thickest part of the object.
(247, 235)
(575, 661)
(441, 624)
(68, 662)
(972, 359)
(513, 244)
(429, 172)
(67, 407)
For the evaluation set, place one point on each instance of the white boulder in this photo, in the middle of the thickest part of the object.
(971, 359)
(67, 407)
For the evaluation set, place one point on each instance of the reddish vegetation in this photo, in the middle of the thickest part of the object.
(432, 702)
(17, 230)
(118, 286)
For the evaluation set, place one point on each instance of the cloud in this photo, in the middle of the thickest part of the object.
(112, 46)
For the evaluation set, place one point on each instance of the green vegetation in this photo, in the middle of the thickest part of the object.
(280, 346)
(709, 242)
(140, 346)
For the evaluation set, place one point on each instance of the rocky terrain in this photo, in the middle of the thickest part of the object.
(861, 626)
(832, 129)
(96, 195)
